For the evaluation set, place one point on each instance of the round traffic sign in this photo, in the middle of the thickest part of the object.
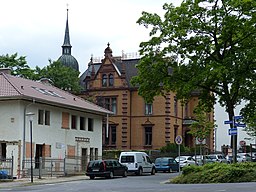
(178, 139)
(200, 139)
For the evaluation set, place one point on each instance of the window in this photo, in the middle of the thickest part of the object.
(82, 123)
(111, 80)
(148, 109)
(47, 118)
(73, 122)
(3, 151)
(175, 106)
(107, 80)
(43, 117)
(148, 135)
(104, 80)
(109, 103)
(65, 120)
(90, 124)
(110, 139)
(113, 135)
(113, 105)
(96, 153)
(40, 117)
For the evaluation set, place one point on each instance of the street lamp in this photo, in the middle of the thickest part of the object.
(30, 115)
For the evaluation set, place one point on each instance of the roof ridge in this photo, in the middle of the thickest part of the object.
(11, 83)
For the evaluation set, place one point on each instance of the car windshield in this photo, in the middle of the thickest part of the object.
(212, 157)
(127, 159)
(181, 158)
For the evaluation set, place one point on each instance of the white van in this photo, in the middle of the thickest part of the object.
(137, 162)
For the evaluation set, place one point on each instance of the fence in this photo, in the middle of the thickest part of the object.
(6, 168)
(50, 167)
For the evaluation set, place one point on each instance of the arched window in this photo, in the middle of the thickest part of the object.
(111, 80)
(104, 80)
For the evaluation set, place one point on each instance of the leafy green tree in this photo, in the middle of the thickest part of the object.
(18, 65)
(203, 126)
(204, 45)
(61, 76)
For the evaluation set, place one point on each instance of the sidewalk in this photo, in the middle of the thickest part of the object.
(36, 181)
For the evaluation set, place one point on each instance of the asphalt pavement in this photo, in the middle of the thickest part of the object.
(36, 181)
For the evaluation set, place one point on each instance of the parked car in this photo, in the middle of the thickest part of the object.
(242, 157)
(229, 158)
(185, 161)
(166, 164)
(253, 156)
(217, 158)
(106, 168)
(202, 159)
(137, 162)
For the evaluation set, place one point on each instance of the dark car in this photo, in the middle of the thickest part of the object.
(166, 164)
(106, 168)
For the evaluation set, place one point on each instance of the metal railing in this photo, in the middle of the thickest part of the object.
(51, 167)
(6, 168)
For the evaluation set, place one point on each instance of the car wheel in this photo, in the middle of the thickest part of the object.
(139, 172)
(170, 170)
(92, 177)
(125, 174)
(153, 171)
(111, 175)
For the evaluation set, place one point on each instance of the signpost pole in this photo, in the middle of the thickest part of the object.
(179, 157)
(178, 141)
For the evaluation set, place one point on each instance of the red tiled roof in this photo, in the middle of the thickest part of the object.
(20, 88)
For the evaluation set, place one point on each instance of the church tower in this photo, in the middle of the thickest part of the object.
(66, 58)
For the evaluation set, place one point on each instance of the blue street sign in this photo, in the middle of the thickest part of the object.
(232, 131)
(240, 125)
(228, 122)
(238, 117)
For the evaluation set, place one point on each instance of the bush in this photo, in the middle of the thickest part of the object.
(218, 173)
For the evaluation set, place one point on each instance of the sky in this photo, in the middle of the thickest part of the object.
(35, 29)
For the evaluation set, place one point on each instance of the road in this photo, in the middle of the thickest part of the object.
(146, 183)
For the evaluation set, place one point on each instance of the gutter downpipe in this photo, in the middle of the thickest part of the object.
(24, 136)
(107, 125)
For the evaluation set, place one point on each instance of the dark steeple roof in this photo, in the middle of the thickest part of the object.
(66, 44)
(66, 58)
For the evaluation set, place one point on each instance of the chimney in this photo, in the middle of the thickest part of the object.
(5, 70)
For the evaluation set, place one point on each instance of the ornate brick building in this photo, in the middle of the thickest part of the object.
(135, 124)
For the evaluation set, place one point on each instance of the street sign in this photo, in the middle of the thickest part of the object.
(178, 139)
(238, 117)
(232, 131)
(240, 124)
(228, 122)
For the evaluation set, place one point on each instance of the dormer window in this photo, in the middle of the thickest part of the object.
(104, 80)
(110, 80)
(107, 80)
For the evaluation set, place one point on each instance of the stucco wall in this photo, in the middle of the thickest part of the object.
(12, 126)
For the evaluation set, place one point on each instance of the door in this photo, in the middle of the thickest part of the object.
(39, 153)
(84, 159)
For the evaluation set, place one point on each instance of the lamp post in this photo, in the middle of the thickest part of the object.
(30, 115)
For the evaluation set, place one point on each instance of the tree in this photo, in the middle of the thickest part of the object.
(206, 45)
(202, 127)
(18, 65)
(61, 76)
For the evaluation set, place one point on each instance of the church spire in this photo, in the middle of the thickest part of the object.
(66, 47)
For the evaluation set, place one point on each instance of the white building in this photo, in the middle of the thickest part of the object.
(63, 124)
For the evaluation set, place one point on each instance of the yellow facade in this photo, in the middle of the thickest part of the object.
(132, 127)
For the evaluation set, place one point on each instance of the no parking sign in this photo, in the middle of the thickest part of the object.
(178, 139)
